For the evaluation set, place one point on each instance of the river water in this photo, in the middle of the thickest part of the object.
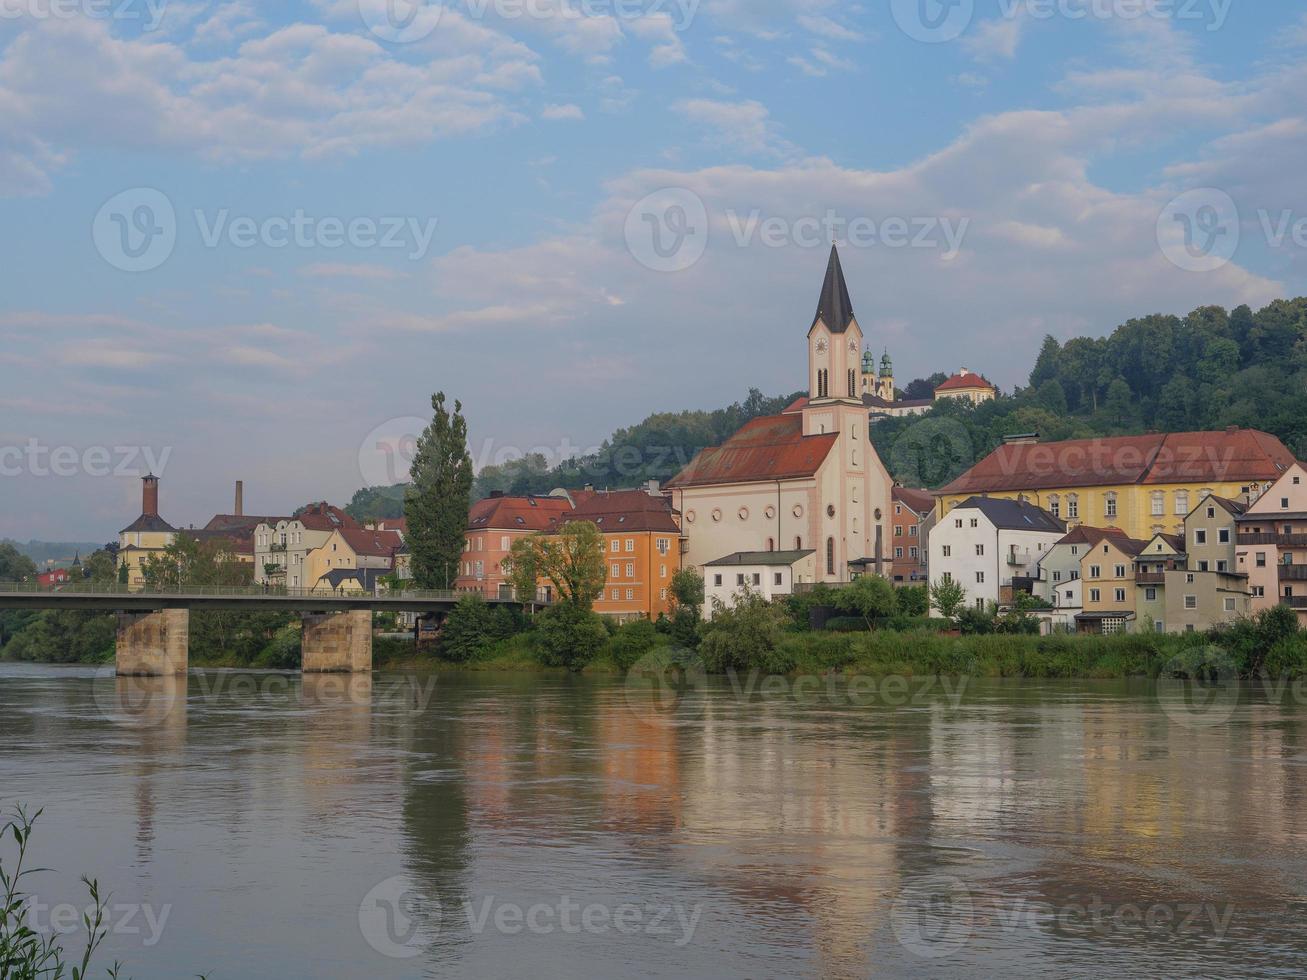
(461, 825)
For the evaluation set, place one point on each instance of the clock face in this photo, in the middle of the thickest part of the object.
(821, 346)
(853, 346)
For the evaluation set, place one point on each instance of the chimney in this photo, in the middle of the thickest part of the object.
(150, 496)
(653, 488)
(1231, 430)
(240, 498)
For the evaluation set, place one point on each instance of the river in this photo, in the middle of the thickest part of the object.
(466, 825)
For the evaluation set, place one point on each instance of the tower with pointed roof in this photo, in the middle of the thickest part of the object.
(885, 381)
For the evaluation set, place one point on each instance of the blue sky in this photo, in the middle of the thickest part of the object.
(509, 150)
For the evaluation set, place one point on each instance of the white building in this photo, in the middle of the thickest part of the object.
(281, 551)
(984, 543)
(770, 574)
(807, 479)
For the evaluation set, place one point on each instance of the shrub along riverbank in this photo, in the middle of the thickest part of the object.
(882, 632)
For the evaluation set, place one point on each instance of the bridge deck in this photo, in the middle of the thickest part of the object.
(116, 598)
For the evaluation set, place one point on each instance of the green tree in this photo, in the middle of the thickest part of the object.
(868, 596)
(1119, 403)
(687, 590)
(744, 635)
(437, 501)
(14, 565)
(947, 596)
(1047, 364)
(470, 627)
(571, 560)
(568, 636)
(913, 600)
(1052, 396)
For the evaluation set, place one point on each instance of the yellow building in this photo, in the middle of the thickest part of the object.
(967, 386)
(1144, 485)
(148, 535)
(350, 549)
(1107, 573)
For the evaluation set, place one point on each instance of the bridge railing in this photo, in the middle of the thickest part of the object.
(220, 591)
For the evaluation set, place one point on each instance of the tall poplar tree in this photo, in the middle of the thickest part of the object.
(437, 500)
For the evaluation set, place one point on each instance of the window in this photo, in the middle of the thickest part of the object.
(898, 552)
(1200, 536)
(980, 578)
(1120, 595)
(980, 603)
(778, 578)
(717, 580)
(830, 556)
(1189, 579)
(1191, 602)
(1109, 508)
(1222, 565)
(1261, 559)
(771, 544)
(739, 578)
(914, 552)
(975, 522)
(503, 543)
(823, 382)
(1072, 506)
(662, 571)
(1095, 595)
(615, 547)
(1095, 571)
(1159, 626)
(1203, 566)
(1229, 604)
(1057, 576)
(1150, 595)
(1159, 504)
(757, 578)
(630, 569)
(957, 522)
(1223, 535)
(1119, 571)
(1055, 506)
(664, 545)
(948, 551)
(912, 530)
(1182, 502)
(662, 595)
(630, 544)
(630, 594)
(1259, 591)
(980, 551)
(1284, 503)
(853, 390)
(898, 530)
(615, 594)
(617, 571)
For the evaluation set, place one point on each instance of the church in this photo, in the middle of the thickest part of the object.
(805, 482)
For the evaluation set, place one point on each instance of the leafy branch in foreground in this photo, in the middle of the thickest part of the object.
(24, 953)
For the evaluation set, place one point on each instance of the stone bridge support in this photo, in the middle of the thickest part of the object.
(153, 644)
(337, 643)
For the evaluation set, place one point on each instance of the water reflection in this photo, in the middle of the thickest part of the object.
(1016, 830)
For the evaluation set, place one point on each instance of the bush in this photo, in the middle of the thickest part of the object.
(799, 605)
(913, 600)
(846, 624)
(473, 626)
(568, 636)
(1288, 658)
(283, 651)
(633, 641)
(743, 636)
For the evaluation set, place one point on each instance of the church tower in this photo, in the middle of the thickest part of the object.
(868, 372)
(885, 384)
(835, 343)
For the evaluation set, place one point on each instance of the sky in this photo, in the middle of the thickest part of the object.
(248, 240)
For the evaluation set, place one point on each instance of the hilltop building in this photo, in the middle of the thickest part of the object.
(807, 479)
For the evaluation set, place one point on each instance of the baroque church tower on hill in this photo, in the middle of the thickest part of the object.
(807, 482)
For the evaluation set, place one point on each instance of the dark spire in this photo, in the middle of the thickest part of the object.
(834, 309)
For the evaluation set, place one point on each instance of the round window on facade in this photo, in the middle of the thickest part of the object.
(716, 515)
(798, 510)
(744, 513)
(689, 516)
(770, 512)
(830, 510)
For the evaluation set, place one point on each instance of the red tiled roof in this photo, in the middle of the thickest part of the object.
(399, 524)
(516, 513)
(615, 511)
(769, 448)
(324, 517)
(921, 501)
(374, 544)
(1097, 535)
(1179, 457)
(965, 382)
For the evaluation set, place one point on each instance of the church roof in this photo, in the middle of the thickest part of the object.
(834, 309)
(769, 448)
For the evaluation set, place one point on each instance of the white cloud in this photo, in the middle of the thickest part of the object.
(338, 270)
(824, 26)
(996, 38)
(561, 112)
(745, 126)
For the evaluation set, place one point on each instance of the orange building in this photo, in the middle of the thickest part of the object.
(911, 507)
(493, 525)
(642, 545)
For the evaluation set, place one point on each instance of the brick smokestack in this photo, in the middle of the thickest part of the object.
(150, 496)
(240, 498)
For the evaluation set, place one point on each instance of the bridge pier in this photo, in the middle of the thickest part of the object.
(337, 643)
(154, 643)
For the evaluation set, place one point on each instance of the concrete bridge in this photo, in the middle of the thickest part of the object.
(154, 625)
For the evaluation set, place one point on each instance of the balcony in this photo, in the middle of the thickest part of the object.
(276, 547)
(1281, 540)
(1150, 578)
(1293, 573)
(1294, 601)
(1019, 558)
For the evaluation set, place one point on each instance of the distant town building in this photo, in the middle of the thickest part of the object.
(1271, 544)
(148, 535)
(966, 386)
(354, 550)
(911, 509)
(807, 479)
(988, 545)
(493, 525)
(770, 574)
(1144, 485)
(281, 550)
